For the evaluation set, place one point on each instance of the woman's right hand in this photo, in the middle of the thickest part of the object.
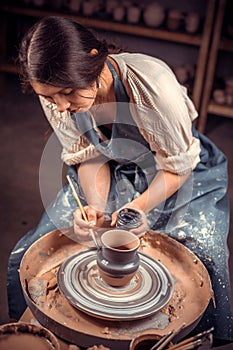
(82, 227)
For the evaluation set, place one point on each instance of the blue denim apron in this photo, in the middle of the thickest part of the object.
(197, 215)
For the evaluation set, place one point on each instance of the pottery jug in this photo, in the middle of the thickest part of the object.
(117, 259)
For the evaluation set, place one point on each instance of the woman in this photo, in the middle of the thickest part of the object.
(125, 125)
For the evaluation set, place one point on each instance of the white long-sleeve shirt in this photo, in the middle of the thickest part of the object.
(160, 107)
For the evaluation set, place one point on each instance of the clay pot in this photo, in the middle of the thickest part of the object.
(88, 8)
(110, 6)
(145, 342)
(133, 14)
(219, 96)
(192, 22)
(153, 15)
(117, 260)
(73, 5)
(174, 19)
(26, 336)
(118, 13)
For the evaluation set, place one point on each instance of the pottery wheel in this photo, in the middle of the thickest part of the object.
(40, 267)
(148, 291)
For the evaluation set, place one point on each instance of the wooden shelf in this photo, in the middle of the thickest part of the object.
(139, 30)
(7, 67)
(221, 110)
(217, 43)
(200, 41)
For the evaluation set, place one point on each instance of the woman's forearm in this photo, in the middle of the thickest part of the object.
(94, 177)
(162, 187)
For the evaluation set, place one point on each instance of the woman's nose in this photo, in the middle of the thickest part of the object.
(62, 104)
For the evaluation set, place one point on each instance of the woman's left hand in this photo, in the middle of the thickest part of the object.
(140, 230)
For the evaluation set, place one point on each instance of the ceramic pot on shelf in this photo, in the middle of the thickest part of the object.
(88, 7)
(73, 5)
(174, 19)
(154, 15)
(133, 14)
(192, 22)
(118, 13)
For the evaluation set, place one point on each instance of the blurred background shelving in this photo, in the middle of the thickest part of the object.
(193, 53)
(218, 88)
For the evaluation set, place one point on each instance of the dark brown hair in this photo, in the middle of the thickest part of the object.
(56, 51)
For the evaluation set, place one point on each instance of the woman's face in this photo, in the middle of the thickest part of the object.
(67, 99)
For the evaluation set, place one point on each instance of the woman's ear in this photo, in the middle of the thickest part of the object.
(94, 52)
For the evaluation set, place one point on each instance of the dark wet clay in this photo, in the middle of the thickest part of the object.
(128, 218)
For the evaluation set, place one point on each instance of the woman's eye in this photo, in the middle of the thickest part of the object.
(68, 93)
(50, 99)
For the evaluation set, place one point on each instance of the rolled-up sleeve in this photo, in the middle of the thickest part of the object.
(75, 147)
(164, 114)
(182, 162)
